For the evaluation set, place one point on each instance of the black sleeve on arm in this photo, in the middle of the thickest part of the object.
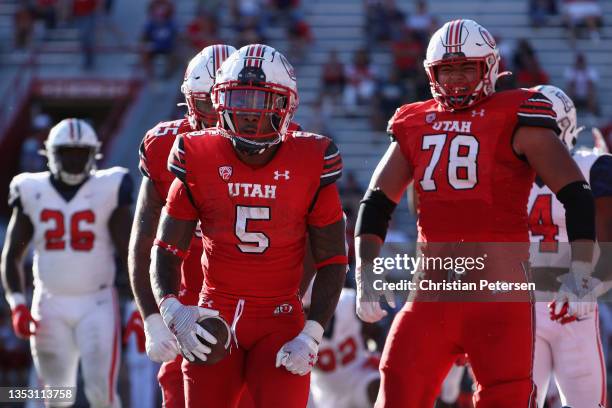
(126, 190)
(579, 204)
(375, 211)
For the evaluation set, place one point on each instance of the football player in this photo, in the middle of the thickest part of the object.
(160, 343)
(346, 374)
(568, 344)
(473, 154)
(77, 218)
(258, 189)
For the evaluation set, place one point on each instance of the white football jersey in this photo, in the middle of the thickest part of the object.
(344, 352)
(547, 229)
(73, 249)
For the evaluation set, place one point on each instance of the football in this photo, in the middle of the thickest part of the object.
(219, 328)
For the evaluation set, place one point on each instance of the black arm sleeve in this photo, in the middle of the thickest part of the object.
(374, 214)
(579, 204)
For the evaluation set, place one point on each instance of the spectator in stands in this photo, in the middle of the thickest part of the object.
(421, 22)
(250, 21)
(159, 37)
(84, 14)
(522, 53)
(210, 7)
(390, 94)
(384, 20)
(300, 36)
(202, 31)
(581, 85)
(407, 53)
(333, 80)
(162, 8)
(23, 24)
(46, 10)
(530, 74)
(351, 192)
(578, 13)
(283, 10)
(360, 81)
(540, 11)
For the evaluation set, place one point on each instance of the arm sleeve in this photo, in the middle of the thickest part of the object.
(601, 177)
(179, 204)
(332, 165)
(126, 190)
(537, 111)
(327, 208)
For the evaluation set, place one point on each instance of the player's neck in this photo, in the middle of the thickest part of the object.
(258, 160)
(67, 191)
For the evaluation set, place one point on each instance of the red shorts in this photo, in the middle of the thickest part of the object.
(170, 379)
(427, 337)
(261, 327)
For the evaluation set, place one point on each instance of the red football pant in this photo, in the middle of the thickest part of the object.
(251, 367)
(427, 337)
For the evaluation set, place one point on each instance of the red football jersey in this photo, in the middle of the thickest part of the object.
(254, 219)
(154, 151)
(471, 185)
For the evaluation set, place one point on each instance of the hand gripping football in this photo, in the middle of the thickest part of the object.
(219, 328)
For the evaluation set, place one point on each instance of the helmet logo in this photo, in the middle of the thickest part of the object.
(488, 38)
(252, 75)
(288, 67)
(567, 103)
(225, 172)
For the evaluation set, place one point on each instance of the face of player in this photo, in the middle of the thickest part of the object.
(205, 111)
(458, 78)
(73, 159)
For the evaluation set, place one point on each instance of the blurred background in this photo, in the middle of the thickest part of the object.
(119, 65)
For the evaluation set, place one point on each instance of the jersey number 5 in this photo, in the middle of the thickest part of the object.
(252, 242)
(462, 173)
(79, 240)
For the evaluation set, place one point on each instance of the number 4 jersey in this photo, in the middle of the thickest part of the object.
(254, 219)
(471, 185)
(73, 249)
(547, 215)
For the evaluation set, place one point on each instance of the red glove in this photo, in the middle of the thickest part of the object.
(135, 325)
(21, 322)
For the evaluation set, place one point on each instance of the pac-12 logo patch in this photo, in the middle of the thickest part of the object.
(225, 172)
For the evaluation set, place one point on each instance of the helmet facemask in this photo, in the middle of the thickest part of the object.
(461, 94)
(71, 164)
(201, 113)
(254, 116)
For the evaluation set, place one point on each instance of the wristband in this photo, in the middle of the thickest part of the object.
(173, 249)
(334, 260)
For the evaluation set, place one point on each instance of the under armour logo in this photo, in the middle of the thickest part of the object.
(480, 113)
(278, 174)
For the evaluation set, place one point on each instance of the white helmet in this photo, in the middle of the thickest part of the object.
(566, 113)
(255, 80)
(457, 42)
(72, 133)
(198, 82)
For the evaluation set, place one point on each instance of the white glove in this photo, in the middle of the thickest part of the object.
(577, 296)
(368, 299)
(300, 354)
(160, 345)
(182, 322)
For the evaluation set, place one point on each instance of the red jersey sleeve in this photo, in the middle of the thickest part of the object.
(537, 110)
(326, 208)
(332, 165)
(179, 203)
